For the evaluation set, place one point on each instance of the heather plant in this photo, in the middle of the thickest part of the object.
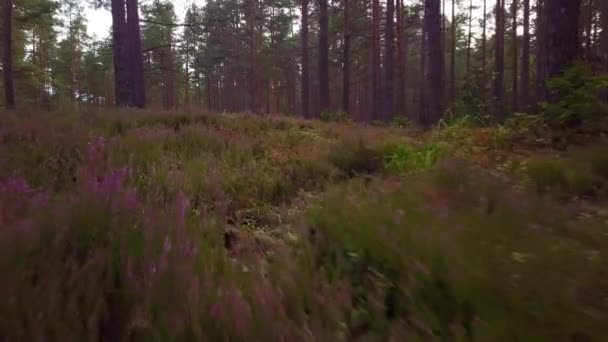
(458, 262)
(153, 226)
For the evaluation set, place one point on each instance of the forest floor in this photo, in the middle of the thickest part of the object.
(232, 227)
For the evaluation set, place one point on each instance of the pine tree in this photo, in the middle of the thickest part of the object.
(499, 70)
(7, 60)
(305, 71)
(434, 82)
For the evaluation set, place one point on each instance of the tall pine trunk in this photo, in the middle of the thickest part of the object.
(346, 59)
(7, 59)
(470, 38)
(453, 57)
(484, 40)
(540, 50)
(515, 89)
(401, 60)
(389, 55)
(136, 56)
(434, 65)
(499, 70)
(562, 42)
(122, 71)
(305, 72)
(604, 34)
(423, 72)
(376, 103)
(323, 57)
(525, 58)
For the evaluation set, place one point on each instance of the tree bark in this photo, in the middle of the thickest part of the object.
(562, 41)
(346, 59)
(375, 77)
(122, 72)
(136, 60)
(470, 38)
(484, 40)
(305, 72)
(453, 57)
(499, 70)
(7, 60)
(525, 58)
(389, 56)
(401, 60)
(540, 50)
(434, 90)
(604, 34)
(323, 57)
(515, 89)
(422, 112)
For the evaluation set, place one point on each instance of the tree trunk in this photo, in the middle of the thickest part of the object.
(540, 50)
(7, 60)
(453, 57)
(434, 90)
(346, 59)
(561, 43)
(525, 58)
(470, 38)
(389, 55)
(122, 71)
(422, 111)
(323, 57)
(515, 94)
(376, 103)
(588, 30)
(484, 40)
(253, 82)
(209, 104)
(305, 72)
(604, 34)
(401, 60)
(136, 60)
(187, 79)
(499, 61)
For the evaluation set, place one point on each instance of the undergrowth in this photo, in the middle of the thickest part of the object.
(145, 226)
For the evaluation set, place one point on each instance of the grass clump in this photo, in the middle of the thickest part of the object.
(401, 158)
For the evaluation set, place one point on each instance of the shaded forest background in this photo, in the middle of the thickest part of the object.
(369, 60)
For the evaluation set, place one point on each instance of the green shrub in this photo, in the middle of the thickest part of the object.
(547, 175)
(401, 121)
(356, 158)
(400, 158)
(574, 96)
(334, 116)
